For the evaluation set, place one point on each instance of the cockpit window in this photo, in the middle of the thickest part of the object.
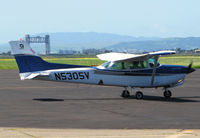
(152, 61)
(138, 65)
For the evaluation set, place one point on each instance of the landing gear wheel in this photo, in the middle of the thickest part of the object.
(139, 95)
(125, 94)
(167, 93)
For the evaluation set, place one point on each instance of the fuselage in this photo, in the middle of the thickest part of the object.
(166, 76)
(121, 69)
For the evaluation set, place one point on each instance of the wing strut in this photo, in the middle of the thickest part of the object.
(154, 69)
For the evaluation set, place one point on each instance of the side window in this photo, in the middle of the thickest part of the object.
(138, 65)
(143, 64)
(124, 65)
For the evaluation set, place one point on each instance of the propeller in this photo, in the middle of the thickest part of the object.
(189, 68)
(154, 70)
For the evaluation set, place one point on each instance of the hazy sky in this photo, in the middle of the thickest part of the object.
(160, 18)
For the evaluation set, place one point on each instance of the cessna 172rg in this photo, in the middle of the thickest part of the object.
(121, 69)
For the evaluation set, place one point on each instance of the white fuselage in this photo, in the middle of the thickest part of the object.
(93, 76)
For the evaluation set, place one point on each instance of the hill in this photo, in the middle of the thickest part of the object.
(115, 42)
(162, 44)
(81, 40)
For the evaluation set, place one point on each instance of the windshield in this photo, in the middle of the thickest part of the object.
(105, 65)
(118, 66)
(114, 65)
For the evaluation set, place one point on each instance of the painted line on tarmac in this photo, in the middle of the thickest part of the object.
(36, 87)
(98, 133)
(182, 133)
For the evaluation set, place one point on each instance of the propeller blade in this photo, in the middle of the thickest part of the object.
(190, 67)
(154, 70)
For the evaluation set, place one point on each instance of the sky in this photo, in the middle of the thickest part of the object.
(147, 18)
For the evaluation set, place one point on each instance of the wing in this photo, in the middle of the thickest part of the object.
(119, 56)
(131, 57)
(164, 52)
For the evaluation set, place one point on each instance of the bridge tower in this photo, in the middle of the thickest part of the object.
(39, 39)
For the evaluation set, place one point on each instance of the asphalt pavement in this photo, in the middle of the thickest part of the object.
(45, 104)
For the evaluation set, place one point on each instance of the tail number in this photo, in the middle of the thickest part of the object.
(71, 75)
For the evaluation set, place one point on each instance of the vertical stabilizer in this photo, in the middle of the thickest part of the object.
(21, 47)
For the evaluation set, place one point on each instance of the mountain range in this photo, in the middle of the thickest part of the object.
(161, 44)
(115, 42)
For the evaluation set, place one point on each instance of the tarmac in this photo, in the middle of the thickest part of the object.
(34, 108)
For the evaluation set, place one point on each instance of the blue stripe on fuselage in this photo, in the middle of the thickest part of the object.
(30, 63)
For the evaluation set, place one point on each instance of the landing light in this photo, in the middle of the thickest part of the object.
(179, 81)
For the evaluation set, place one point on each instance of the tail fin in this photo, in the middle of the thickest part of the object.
(28, 61)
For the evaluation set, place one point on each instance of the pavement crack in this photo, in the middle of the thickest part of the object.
(122, 114)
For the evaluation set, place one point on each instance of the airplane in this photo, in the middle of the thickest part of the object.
(120, 69)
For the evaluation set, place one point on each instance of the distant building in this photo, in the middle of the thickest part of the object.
(68, 52)
(197, 51)
(184, 51)
(93, 51)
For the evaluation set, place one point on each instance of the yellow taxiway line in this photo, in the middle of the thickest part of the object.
(98, 133)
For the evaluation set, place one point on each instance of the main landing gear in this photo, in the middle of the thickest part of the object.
(139, 95)
(167, 93)
(126, 94)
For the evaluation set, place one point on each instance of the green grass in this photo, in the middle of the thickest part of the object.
(11, 64)
(8, 64)
(76, 61)
(181, 60)
(173, 60)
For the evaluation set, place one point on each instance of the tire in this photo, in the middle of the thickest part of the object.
(139, 95)
(167, 94)
(125, 94)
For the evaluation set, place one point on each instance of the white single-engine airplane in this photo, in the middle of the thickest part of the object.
(121, 69)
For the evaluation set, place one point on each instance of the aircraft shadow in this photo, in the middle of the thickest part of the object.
(173, 99)
(146, 98)
(190, 97)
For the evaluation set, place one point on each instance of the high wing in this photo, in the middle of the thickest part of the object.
(130, 57)
(116, 57)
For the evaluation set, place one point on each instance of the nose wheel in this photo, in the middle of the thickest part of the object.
(167, 94)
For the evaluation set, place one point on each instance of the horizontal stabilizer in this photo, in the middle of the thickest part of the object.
(32, 75)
